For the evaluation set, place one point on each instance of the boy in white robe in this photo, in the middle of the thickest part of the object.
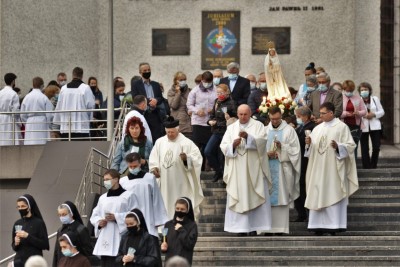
(108, 218)
(37, 125)
(331, 176)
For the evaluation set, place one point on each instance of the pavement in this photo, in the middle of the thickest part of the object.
(389, 151)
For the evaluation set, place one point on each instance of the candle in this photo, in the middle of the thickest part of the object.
(264, 100)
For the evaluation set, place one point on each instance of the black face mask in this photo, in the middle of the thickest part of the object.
(180, 214)
(133, 229)
(146, 75)
(23, 212)
(93, 88)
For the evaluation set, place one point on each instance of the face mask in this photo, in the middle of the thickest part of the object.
(221, 97)
(180, 214)
(93, 88)
(65, 219)
(135, 171)
(146, 75)
(348, 94)
(364, 94)
(322, 88)
(216, 81)
(108, 184)
(232, 76)
(299, 121)
(207, 85)
(56, 97)
(263, 86)
(67, 253)
(121, 97)
(252, 86)
(182, 84)
(63, 83)
(23, 212)
(133, 229)
(310, 89)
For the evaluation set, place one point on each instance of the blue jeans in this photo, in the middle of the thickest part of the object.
(214, 154)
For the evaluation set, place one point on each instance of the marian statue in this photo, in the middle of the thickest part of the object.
(276, 84)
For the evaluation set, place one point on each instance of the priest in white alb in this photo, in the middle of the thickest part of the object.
(331, 176)
(283, 153)
(37, 125)
(176, 161)
(248, 208)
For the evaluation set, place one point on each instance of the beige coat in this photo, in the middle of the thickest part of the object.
(177, 103)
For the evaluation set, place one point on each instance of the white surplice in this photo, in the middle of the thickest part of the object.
(177, 180)
(135, 113)
(9, 102)
(109, 237)
(80, 98)
(247, 207)
(37, 125)
(146, 197)
(331, 176)
(284, 174)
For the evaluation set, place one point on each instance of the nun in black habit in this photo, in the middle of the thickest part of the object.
(72, 222)
(182, 231)
(29, 234)
(137, 238)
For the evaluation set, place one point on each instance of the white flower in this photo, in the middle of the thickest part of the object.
(285, 101)
(281, 106)
(282, 110)
(264, 109)
(273, 103)
(294, 103)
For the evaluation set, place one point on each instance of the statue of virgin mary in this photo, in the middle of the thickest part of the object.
(276, 84)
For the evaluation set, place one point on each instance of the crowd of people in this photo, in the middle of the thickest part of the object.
(268, 162)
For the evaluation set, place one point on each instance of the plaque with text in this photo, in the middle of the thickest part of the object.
(220, 39)
(171, 42)
(279, 35)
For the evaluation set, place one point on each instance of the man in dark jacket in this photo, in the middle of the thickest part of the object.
(239, 86)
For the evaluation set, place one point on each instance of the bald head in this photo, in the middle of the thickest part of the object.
(244, 113)
(251, 78)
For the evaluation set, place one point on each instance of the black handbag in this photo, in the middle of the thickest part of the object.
(356, 132)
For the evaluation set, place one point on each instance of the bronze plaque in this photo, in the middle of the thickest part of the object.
(279, 35)
(220, 39)
(171, 42)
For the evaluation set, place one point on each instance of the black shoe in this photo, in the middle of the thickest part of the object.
(300, 219)
(319, 233)
(268, 234)
(216, 177)
(333, 233)
(253, 233)
(242, 234)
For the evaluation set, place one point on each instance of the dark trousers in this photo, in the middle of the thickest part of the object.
(76, 136)
(370, 162)
(214, 154)
(108, 261)
(299, 202)
(200, 136)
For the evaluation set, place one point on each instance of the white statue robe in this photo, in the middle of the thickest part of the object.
(109, 237)
(331, 176)
(135, 113)
(146, 196)
(37, 125)
(247, 208)
(9, 102)
(276, 84)
(80, 98)
(284, 174)
(177, 180)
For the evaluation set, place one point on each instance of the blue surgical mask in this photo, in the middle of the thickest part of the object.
(67, 253)
(135, 171)
(56, 97)
(65, 219)
(348, 94)
(252, 86)
(299, 121)
(263, 86)
(364, 94)
(232, 76)
(310, 89)
(216, 81)
(121, 97)
(322, 87)
(182, 84)
(108, 184)
(207, 85)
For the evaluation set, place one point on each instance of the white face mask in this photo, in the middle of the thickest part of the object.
(252, 85)
(63, 83)
(263, 86)
(207, 85)
(216, 81)
(108, 184)
(182, 84)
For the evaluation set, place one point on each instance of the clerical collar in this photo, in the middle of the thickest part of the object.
(276, 126)
(75, 83)
(115, 193)
(136, 176)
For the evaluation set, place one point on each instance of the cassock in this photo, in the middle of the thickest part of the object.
(331, 176)
(37, 125)
(146, 197)
(75, 98)
(284, 174)
(177, 179)
(108, 238)
(136, 113)
(9, 102)
(248, 207)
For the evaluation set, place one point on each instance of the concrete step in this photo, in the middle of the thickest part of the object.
(383, 173)
(297, 261)
(305, 232)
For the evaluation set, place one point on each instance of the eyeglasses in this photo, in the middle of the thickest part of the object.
(324, 113)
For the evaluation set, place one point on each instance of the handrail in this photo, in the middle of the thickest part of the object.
(13, 255)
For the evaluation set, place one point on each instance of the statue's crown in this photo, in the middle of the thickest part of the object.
(271, 45)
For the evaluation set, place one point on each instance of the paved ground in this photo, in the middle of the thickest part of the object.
(389, 151)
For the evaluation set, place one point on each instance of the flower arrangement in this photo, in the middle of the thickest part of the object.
(286, 104)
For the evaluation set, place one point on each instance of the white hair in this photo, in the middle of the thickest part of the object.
(177, 261)
(232, 65)
(324, 75)
(36, 261)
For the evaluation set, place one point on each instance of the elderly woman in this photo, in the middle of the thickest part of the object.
(311, 82)
(223, 113)
(353, 110)
(134, 141)
(372, 126)
(177, 98)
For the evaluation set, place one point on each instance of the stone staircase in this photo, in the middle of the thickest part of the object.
(372, 237)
